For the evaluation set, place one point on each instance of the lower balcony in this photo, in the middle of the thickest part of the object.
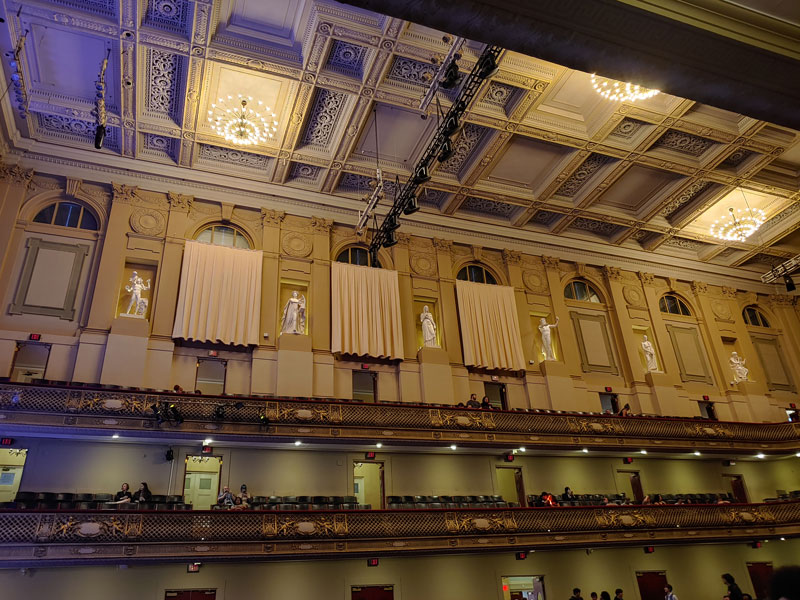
(42, 538)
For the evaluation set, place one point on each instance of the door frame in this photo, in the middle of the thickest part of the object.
(186, 470)
(224, 362)
(519, 481)
(382, 471)
(18, 347)
(630, 473)
(729, 477)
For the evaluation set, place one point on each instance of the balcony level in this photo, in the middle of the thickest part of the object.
(99, 410)
(52, 538)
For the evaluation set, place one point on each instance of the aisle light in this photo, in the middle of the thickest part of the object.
(453, 447)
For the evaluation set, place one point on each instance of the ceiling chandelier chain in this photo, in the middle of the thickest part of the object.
(740, 225)
(619, 91)
(243, 121)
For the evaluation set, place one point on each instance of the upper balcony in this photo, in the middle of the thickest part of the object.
(97, 411)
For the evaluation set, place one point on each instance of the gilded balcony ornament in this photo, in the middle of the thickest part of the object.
(617, 518)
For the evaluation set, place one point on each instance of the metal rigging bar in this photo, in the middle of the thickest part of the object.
(406, 200)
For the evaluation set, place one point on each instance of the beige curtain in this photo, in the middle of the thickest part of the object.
(365, 311)
(220, 295)
(490, 333)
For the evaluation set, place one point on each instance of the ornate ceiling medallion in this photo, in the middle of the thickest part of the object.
(243, 121)
(741, 225)
(619, 91)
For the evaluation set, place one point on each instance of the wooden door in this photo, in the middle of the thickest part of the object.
(760, 574)
(636, 489)
(201, 482)
(737, 486)
(372, 592)
(651, 584)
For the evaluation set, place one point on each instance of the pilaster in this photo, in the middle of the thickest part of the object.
(450, 333)
(320, 295)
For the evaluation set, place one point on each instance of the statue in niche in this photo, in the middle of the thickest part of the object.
(137, 285)
(649, 354)
(737, 366)
(547, 338)
(294, 315)
(428, 328)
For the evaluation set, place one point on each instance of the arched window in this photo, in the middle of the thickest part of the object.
(476, 274)
(753, 316)
(67, 214)
(223, 235)
(357, 255)
(580, 290)
(673, 305)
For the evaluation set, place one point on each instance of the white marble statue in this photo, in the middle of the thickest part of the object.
(294, 315)
(649, 354)
(428, 328)
(137, 285)
(737, 366)
(547, 338)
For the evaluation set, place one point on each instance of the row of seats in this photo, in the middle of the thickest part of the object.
(784, 496)
(96, 505)
(70, 497)
(295, 506)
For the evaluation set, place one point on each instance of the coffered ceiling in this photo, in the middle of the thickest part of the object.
(540, 151)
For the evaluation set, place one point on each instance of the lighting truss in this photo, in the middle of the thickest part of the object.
(372, 202)
(428, 97)
(786, 268)
(405, 200)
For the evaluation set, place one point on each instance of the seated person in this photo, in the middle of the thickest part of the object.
(243, 495)
(720, 500)
(647, 500)
(658, 500)
(473, 402)
(238, 504)
(176, 389)
(225, 497)
(485, 404)
(143, 494)
(568, 495)
(124, 495)
(546, 499)
(625, 411)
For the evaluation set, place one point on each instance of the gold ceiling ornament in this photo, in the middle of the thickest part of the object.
(242, 120)
(740, 225)
(619, 91)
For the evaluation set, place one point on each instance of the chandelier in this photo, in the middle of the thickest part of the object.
(739, 226)
(242, 121)
(619, 91)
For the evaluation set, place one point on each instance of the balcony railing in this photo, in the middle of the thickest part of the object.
(101, 409)
(29, 537)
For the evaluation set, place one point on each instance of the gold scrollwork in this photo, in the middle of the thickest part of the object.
(460, 523)
(624, 518)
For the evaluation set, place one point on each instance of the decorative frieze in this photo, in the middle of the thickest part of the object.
(319, 225)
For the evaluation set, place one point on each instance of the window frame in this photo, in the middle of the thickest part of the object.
(237, 232)
(682, 308)
(760, 317)
(486, 274)
(349, 251)
(79, 226)
(590, 291)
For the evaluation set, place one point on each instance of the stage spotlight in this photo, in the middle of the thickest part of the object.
(391, 223)
(157, 414)
(239, 405)
(421, 175)
(411, 206)
(446, 151)
(263, 420)
(391, 239)
(99, 136)
(219, 413)
(175, 414)
(488, 67)
(451, 76)
(790, 286)
(451, 126)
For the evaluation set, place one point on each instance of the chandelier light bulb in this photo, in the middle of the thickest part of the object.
(738, 225)
(618, 91)
(240, 123)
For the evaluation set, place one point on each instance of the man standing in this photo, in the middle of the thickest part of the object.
(618, 594)
(668, 595)
(576, 594)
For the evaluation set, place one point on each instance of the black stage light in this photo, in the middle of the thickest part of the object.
(488, 67)
(412, 206)
(421, 175)
(446, 151)
(451, 126)
(169, 455)
(175, 414)
(157, 415)
(391, 239)
(99, 136)
(263, 420)
(219, 413)
(239, 405)
(790, 286)
(451, 76)
(391, 222)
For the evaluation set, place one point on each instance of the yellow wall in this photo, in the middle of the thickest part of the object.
(694, 571)
(72, 466)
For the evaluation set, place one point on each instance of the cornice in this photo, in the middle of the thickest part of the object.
(307, 203)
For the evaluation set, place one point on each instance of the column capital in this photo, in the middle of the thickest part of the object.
(647, 278)
(16, 174)
(728, 292)
(182, 202)
(442, 245)
(122, 193)
(272, 217)
(320, 225)
(550, 262)
(699, 288)
(512, 257)
(612, 273)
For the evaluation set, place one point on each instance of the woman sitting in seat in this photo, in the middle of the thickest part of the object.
(124, 495)
(143, 494)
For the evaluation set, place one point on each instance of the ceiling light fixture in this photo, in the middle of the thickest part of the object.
(740, 226)
(243, 121)
(619, 91)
